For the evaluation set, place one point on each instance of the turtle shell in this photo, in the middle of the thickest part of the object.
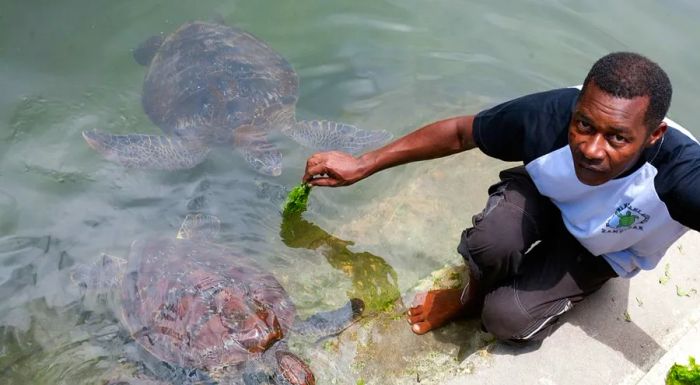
(208, 79)
(196, 304)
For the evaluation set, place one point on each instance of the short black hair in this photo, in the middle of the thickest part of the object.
(628, 75)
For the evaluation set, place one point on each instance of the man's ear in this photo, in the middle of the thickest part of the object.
(657, 134)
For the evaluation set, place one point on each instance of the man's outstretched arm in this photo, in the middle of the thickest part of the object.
(442, 138)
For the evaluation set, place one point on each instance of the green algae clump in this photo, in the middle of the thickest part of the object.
(297, 199)
(684, 375)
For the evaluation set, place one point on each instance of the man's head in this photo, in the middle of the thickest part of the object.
(619, 113)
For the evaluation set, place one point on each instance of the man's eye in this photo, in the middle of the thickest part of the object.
(584, 126)
(617, 138)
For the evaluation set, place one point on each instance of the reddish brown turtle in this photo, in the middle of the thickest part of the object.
(195, 304)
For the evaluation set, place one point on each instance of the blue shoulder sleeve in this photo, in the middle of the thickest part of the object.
(678, 178)
(527, 127)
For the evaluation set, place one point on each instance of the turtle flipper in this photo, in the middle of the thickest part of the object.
(276, 366)
(103, 275)
(326, 135)
(331, 322)
(199, 226)
(147, 151)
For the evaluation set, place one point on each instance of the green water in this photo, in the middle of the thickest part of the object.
(66, 66)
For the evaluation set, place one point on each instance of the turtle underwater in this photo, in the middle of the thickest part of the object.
(197, 305)
(210, 84)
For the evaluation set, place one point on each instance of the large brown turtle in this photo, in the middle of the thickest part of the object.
(197, 305)
(209, 84)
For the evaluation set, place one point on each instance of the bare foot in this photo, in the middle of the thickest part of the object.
(434, 309)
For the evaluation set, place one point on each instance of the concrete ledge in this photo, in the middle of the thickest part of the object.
(689, 345)
(629, 331)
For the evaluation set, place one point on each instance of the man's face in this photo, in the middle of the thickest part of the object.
(607, 134)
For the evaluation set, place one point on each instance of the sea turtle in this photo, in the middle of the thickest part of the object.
(626, 220)
(196, 305)
(211, 84)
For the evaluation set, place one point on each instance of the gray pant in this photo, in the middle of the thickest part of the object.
(526, 288)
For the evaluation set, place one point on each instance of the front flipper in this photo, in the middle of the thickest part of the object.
(276, 366)
(199, 226)
(146, 51)
(148, 151)
(332, 322)
(326, 135)
(101, 276)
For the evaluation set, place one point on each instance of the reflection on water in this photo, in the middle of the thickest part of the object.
(67, 66)
(373, 280)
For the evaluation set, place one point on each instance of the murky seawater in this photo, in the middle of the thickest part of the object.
(66, 66)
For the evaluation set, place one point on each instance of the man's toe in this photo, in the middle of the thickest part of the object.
(414, 319)
(416, 310)
(421, 328)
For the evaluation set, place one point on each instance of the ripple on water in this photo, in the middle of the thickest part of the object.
(368, 21)
(9, 214)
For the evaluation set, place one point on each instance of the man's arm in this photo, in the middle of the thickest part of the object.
(435, 140)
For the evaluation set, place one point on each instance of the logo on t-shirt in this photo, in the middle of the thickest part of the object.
(626, 217)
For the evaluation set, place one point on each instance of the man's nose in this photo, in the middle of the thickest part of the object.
(594, 148)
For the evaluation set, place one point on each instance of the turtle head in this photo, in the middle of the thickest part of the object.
(266, 160)
(252, 143)
(253, 326)
(146, 51)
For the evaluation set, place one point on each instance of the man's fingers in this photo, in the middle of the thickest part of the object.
(313, 170)
(323, 181)
(322, 169)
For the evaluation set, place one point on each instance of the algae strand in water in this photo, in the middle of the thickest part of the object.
(297, 199)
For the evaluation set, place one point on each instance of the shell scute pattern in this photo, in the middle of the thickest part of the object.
(199, 305)
(213, 77)
(213, 85)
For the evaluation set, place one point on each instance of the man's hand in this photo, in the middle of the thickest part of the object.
(435, 140)
(333, 169)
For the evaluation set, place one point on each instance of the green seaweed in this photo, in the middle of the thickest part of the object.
(684, 374)
(297, 199)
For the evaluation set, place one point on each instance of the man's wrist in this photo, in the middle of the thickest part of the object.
(366, 165)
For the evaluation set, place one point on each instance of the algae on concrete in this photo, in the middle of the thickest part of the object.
(667, 275)
(684, 374)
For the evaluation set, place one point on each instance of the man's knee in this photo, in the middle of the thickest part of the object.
(509, 224)
(487, 246)
(506, 317)
(497, 252)
(502, 316)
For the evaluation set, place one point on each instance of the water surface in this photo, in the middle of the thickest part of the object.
(388, 64)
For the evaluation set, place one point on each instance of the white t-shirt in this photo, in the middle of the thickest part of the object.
(631, 220)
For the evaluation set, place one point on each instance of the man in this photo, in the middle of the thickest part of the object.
(605, 189)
